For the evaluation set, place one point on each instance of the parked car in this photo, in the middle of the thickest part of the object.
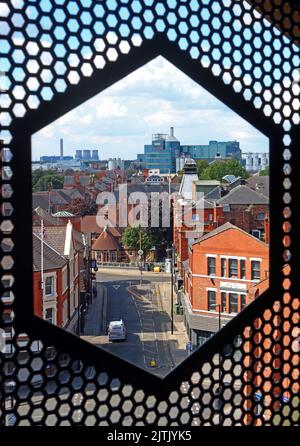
(117, 330)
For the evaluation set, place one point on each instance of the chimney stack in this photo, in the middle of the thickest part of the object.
(172, 131)
(61, 148)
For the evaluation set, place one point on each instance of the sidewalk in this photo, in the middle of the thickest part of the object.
(177, 348)
(95, 324)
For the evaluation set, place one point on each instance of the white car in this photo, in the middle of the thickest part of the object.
(117, 331)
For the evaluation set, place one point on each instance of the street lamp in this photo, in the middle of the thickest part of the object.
(172, 251)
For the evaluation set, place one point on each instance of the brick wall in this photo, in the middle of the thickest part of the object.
(231, 242)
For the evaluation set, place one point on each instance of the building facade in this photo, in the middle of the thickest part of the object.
(167, 154)
(224, 265)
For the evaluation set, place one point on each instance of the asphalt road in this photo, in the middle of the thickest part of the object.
(130, 275)
(144, 321)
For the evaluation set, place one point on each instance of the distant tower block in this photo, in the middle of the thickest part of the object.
(249, 162)
(256, 162)
(61, 149)
(95, 155)
(86, 155)
(263, 162)
(78, 154)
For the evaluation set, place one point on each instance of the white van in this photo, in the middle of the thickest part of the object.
(117, 331)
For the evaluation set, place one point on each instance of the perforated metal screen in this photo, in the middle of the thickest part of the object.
(55, 55)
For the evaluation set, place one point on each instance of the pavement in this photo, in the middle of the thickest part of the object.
(95, 320)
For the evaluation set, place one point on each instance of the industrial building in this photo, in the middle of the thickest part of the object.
(87, 155)
(168, 155)
(255, 162)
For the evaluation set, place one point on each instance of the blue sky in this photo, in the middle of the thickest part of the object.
(121, 119)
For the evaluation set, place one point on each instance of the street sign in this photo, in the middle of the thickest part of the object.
(116, 287)
(140, 252)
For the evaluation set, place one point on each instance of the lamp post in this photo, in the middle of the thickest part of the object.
(172, 251)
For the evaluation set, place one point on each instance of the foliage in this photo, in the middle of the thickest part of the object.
(201, 166)
(82, 207)
(218, 169)
(131, 239)
(264, 172)
(42, 180)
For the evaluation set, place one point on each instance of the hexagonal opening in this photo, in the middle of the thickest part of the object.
(92, 269)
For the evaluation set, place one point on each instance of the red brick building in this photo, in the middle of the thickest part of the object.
(223, 266)
(247, 209)
(58, 301)
(197, 220)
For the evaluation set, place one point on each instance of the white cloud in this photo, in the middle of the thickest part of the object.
(121, 119)
(110, 109)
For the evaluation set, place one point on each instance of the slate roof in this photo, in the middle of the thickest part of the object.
(260, 184)
(223, 228)
(54, 236)
(214, 194)
(52, 259)
(106, 242)
(40, 201)
(243, 195)
(89, 225)
(46, 217)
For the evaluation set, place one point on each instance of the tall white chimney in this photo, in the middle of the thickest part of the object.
(61, 148)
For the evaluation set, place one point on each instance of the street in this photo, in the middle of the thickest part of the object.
(146, 321)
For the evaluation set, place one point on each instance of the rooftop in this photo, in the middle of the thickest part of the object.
(223, 228)
(52, 259)
(106, 242)
(243, 195)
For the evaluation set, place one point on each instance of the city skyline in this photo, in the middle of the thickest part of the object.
(148, 101)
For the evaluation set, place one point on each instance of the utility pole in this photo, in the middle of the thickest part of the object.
(140, 253)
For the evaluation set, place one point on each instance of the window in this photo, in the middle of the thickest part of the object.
(49, 315)
(211, 297)
(233, 303)
(242, 269)
(243, 301)
(223, 303)
(260, 216)
(203, 336)
(255, 270)
(256, 233)
(223, 268)
(49, 286)
(233, 268)
(211, 266)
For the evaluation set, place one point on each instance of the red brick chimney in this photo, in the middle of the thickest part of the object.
(267, 229)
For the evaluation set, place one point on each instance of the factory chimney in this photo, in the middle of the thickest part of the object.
(172, 131)
(61, 148)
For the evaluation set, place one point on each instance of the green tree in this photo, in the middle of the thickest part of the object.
(131, 239)
(201, 166)
(220, 168)
(265, 172)
(41, 180)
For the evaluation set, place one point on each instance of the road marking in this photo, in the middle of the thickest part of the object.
(116, 287)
